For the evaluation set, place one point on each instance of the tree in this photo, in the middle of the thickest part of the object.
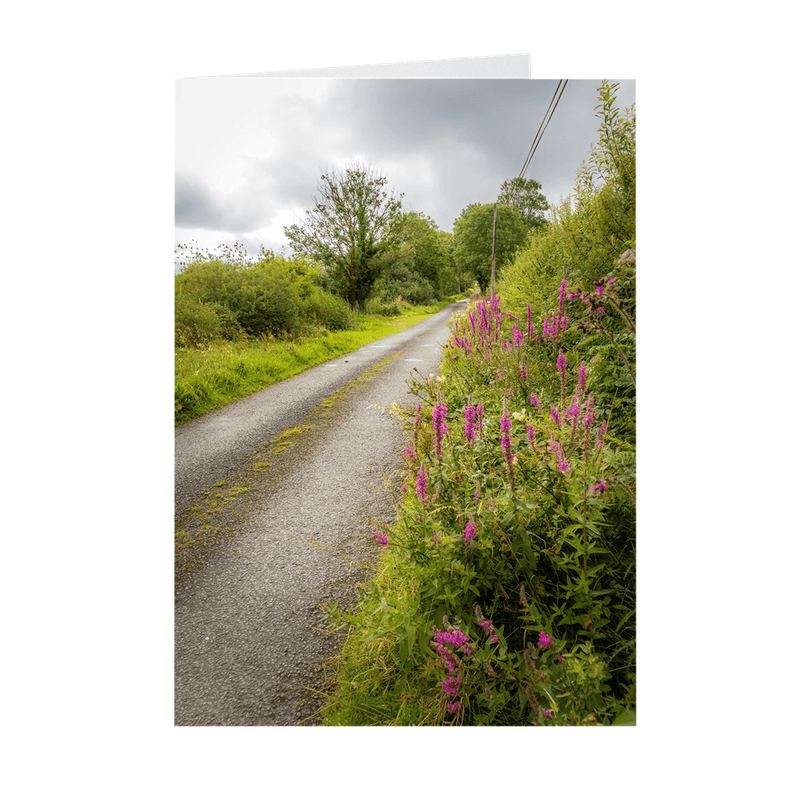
(350, 230)
(422, 263)
(472, 236)
(525, 195)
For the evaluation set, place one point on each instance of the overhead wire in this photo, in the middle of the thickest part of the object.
(545, 122)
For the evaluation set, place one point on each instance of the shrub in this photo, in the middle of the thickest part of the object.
(384, 308)
(265, 310)
(196, 323)
(329, 311)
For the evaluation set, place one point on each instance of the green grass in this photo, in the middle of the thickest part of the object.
(371, 688)
(224, 371)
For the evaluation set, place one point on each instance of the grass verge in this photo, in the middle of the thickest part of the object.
(224, 371)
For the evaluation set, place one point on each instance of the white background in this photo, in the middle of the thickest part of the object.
(88, 240)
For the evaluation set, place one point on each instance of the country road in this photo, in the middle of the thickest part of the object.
(276, 496)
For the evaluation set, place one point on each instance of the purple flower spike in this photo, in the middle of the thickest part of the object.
(422, 485)
(544, 640)
(469, 531)
(439, 426)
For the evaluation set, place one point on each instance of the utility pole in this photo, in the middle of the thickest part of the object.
(494, 239)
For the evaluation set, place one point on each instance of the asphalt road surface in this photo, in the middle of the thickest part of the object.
(276, 497)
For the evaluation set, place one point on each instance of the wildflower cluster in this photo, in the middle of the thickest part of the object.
(473, 422)
(603, 292)
(556, 322)
(469, 531)
(381, 538)
(447, 644)
(475, 333)
(537, 491)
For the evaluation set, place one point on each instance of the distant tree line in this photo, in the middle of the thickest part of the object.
(357, 250)
(369, 247)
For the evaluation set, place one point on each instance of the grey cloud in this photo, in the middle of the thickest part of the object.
(195, 206)
(241, 211)
(475, 133)
(443, 143)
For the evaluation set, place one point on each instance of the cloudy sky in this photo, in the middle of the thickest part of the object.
(250, 151)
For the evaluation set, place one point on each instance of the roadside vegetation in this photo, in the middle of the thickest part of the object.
(242, 324)
(505, 592)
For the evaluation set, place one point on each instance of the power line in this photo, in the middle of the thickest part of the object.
(545, 123)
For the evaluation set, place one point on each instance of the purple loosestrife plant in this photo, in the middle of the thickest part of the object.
(486, 624)
(563, 465)
(561, 365)
(409, 455)
(505, 443)
(581, 390)
(469, 424)
(383, 539)
(588, 421)
(601, 435)
(439, 426)
(479, 417)
(469, 531)
(417, 423)
(446, 643)
(422, 484)
(558, 451)
(544, 640)
(556, 322)
(572, 414)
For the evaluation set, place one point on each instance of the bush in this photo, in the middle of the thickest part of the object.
(196, 323)
(217, 298)
(329, 311)
(265, 310)
(384, 308)
(400, 281)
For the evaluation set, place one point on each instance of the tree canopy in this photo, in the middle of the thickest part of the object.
(472, 236)
(350, 230)
(525, 195)
(422, 267)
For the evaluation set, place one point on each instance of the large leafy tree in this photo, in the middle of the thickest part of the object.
(526, 196)
(423, 251)
(472, 236)
(351, 230)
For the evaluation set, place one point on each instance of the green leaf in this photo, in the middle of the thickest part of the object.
(404, 649)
